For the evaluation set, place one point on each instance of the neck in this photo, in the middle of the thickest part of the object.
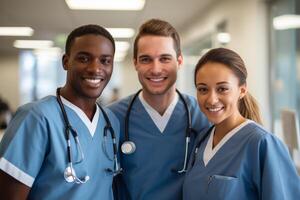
(85, 104)
(223, 128)
(161, 102)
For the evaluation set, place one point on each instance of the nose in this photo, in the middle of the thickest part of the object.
(212, 98)
(156, 67)
(95, 65)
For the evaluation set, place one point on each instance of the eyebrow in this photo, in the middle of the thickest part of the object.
(165, 54)
(223, 82)
(83, 52)
(197, 84)
(143, 56)
(89, 54)
(219, 83)
(146, 55)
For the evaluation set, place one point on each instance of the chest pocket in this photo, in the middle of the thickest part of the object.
(222, 187)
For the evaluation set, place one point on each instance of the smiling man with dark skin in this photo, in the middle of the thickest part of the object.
(34, 151)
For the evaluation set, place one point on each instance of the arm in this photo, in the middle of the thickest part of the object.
(279, 177)
(12, 189)
(26, 137)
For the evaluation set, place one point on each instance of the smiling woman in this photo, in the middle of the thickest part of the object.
(235, 159)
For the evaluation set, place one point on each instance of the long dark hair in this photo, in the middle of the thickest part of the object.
(248, 106)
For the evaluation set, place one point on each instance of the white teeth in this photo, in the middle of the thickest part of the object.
(94, 81)
(156, 79)
(214, 109)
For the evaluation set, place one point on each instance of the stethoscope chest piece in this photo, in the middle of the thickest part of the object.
(69, 175)
(128, 147)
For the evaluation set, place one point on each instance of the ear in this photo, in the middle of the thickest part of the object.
(180, 60)
(243, 90)
(65, 60)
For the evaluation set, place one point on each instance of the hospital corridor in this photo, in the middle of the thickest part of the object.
(150, 99)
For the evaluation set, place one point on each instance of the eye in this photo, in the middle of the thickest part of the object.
(202, 90)
(106, 61)
(144, 60)
(165, 59)
(83, 58)
(222, 89)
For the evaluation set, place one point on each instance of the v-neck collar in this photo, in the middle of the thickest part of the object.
(160, 121)
(91, 125)
(209, 152)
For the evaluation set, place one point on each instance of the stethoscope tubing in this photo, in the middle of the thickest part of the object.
(127, 116)
(197, 146)
(69, 128)
(188, 131)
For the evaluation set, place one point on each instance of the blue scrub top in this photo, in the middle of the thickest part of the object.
(34, 151)
(251, 165)
(149, 173)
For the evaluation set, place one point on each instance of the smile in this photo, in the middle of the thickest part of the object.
(156, 79)
(215, 109)
(93, 81)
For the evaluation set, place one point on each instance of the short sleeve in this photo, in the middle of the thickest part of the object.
(279, 178)
(24, 146)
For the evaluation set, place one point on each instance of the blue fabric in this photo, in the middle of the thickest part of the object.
(35, 143)
(148, 171)
(251, 165)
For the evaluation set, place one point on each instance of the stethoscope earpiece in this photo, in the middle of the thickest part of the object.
(128, 147)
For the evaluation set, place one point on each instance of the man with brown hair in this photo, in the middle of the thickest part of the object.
(158, 120)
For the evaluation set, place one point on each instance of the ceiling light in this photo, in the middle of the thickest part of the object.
(286, 22)
(16, 31)
(48, 52)
(33, 44)
(223, 38)
(106, 4)
(121, 32)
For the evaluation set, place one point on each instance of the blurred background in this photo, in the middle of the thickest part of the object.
(266, 33)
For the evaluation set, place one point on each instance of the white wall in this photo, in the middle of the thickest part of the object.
(9, 80)
(130, 83)
(247, 25)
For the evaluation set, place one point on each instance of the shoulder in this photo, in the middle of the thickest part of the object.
(120, 107)
(112, 117)
(30, 123)
(191, 100)
(37, 109)
(191, 103)
(262, 138)
(258, 132)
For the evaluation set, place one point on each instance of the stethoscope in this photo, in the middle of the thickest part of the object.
(198, 144)
(70, 173)
(129, 147)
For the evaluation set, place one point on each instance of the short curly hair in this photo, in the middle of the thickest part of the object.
(86, 30)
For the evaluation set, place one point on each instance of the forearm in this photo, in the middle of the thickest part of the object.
(12, 189)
